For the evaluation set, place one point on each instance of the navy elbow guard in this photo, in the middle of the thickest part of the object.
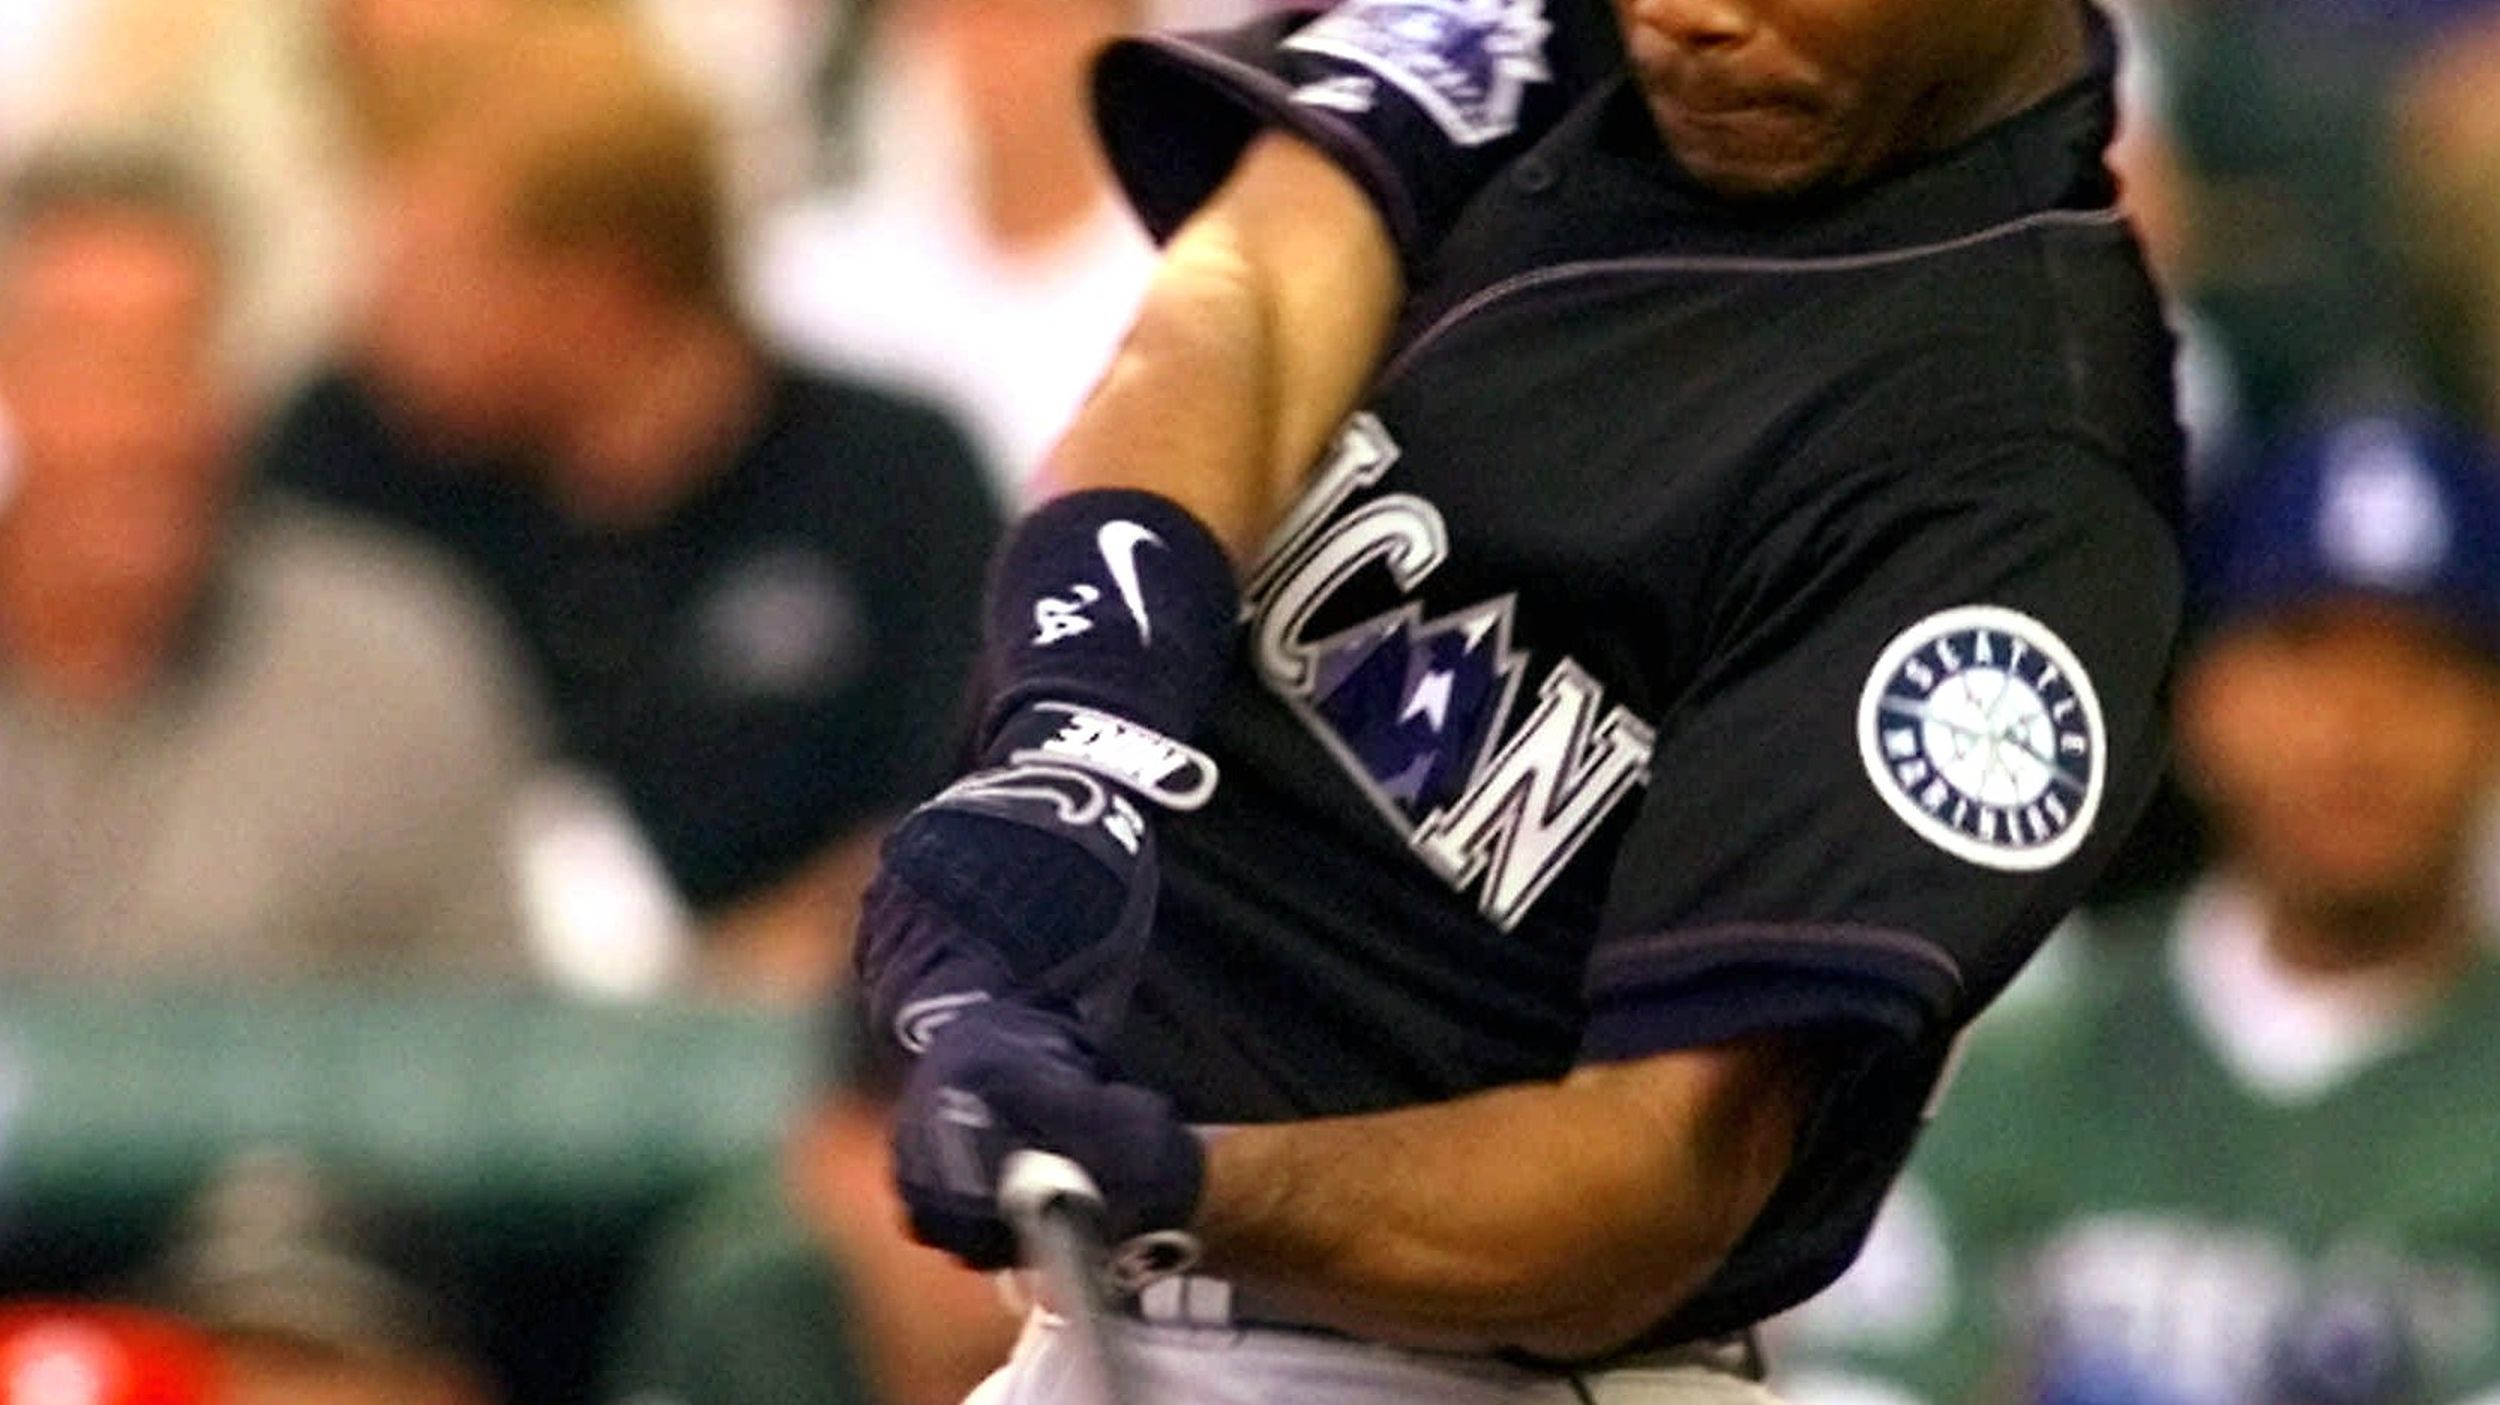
(1112, 616)
(1419, 101)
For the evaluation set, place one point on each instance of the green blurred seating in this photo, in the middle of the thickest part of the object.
(549, 1135)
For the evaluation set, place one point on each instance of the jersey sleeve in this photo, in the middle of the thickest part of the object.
(1420, 101)
(1930, 711)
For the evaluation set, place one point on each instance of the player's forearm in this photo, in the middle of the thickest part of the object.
(1257, 337)
(1558, 1218)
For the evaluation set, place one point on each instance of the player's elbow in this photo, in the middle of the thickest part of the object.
(1725, 1121)
(1563, 1289)
(1608, 1301)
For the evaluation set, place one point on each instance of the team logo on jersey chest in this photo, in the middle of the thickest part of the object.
(1466, 63)
(1421, 711)
(1980, 730)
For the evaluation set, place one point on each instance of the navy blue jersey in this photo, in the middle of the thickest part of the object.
(1718, 620)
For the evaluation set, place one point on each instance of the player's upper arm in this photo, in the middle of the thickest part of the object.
(1933, 708)
(1298, 169)
(1257, 336)
(1291, 230)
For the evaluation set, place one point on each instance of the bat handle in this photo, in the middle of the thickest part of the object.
(1057, 1212)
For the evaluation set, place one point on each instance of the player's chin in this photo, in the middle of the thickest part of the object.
(1753, 154)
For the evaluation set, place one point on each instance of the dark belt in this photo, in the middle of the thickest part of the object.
(1201, 1300)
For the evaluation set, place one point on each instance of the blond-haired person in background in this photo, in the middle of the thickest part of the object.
(747, 588)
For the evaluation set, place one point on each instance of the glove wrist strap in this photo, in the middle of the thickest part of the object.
(1141, 760)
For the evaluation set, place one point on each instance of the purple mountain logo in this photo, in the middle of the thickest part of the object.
(1416, 701)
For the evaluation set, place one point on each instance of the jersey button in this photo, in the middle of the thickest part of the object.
(1533, 175)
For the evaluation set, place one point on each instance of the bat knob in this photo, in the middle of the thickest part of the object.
(1033, 1181)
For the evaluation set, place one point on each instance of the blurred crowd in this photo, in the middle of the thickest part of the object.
(494, 496)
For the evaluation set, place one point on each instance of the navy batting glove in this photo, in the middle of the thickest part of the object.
(1029, 883)
(1111, 621)
(1005, 1077)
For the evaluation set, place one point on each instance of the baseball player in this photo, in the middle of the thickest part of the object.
(1486, 883)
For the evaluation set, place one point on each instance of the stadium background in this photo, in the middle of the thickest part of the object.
(602, 1159)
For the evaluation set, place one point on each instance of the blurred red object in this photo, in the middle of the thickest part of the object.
(83, 1354)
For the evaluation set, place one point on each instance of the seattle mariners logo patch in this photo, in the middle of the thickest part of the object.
(1980, 730)
(1465, 62)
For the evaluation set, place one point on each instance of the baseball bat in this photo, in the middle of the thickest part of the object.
(1057, 1212)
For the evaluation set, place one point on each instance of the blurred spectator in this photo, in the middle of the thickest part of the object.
(94, 1354)
(236, 743)
(2246, 1156)
(796, 1285)
(2449, 150)
(314, 1295)
(2284, 119)
(984, 255)
(271, 97)
(749, 590)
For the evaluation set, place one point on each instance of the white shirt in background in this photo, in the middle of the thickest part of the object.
(894, 278)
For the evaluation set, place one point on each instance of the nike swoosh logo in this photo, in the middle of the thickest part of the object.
(1119, 542)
